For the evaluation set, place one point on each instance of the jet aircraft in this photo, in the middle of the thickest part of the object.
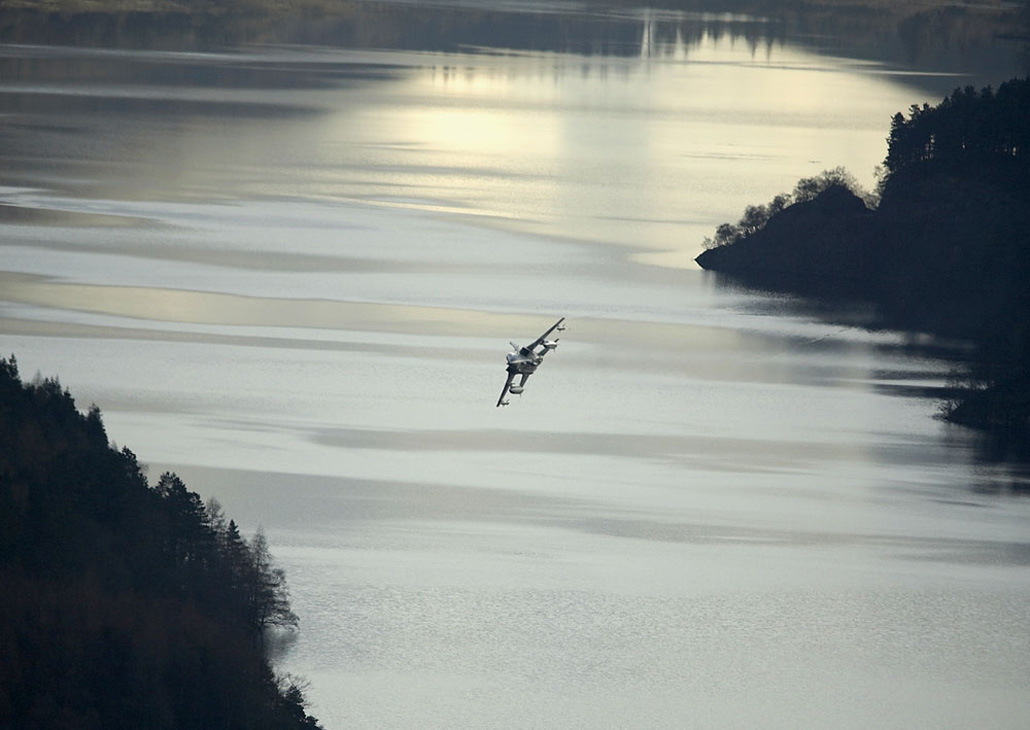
(523, 361)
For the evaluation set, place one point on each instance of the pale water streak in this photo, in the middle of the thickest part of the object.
(295, 288)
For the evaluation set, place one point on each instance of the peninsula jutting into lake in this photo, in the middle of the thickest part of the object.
(946, 251)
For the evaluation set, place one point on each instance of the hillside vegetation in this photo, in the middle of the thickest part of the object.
(946, 251)
(124, 605)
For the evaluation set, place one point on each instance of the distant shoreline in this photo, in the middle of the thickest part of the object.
(273, 8)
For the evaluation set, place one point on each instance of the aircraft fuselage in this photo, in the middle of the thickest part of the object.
(523, 362)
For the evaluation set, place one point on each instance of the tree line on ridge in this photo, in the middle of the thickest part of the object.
(125, 605)
(942, 247)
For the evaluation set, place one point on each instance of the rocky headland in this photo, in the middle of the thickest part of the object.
(945, 251)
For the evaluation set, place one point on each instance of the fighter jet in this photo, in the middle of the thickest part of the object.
(523, 361)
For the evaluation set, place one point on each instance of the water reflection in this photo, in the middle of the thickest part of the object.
(515, 137)
(289, 275)
(954, 41)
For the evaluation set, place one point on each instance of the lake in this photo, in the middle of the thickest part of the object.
(289, 271)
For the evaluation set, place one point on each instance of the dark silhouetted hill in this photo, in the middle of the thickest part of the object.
(124, 605)
(946, 251)
(817, 247)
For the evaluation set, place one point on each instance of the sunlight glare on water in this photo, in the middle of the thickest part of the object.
(641, 152)
(295, 287)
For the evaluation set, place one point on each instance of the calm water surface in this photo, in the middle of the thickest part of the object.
(290, 275)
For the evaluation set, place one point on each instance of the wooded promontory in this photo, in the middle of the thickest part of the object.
(946, 250)
(125, 605)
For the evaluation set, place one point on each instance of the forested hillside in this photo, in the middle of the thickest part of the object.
(946, 251)
(125, 605)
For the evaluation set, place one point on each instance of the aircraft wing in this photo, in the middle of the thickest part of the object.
(539, 340)
(507, 385)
